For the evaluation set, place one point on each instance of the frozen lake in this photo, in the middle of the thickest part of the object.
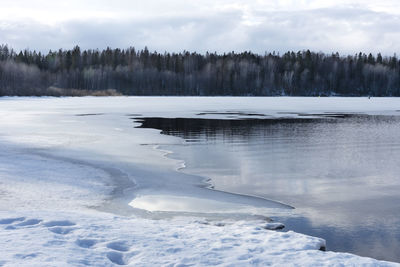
(340, 171)
(82, 183)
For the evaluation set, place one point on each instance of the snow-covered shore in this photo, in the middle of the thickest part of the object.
(95, 239)
(69, 167)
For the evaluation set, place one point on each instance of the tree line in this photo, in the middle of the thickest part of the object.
(141, 72)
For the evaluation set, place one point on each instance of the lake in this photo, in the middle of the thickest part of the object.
(340, 171)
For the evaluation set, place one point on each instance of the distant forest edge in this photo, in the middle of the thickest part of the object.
(133, 72)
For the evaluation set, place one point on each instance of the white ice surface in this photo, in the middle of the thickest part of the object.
(69, 180)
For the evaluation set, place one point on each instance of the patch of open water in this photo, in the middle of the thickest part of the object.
(341, 172)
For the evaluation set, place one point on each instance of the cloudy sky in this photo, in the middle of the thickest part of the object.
(204, 25)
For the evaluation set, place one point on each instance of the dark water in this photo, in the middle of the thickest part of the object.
(341, 173)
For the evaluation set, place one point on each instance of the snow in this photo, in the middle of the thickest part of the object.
(79, 185)
(96, 239)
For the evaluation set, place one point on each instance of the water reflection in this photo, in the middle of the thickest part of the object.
(340, 172)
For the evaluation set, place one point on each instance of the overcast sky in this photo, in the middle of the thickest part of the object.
(204, 25)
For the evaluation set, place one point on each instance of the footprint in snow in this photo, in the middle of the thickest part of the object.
(23, 222)
(120, 254)
(11, 220)
(121, 258)
(60, 230)
(118, 246)
(86, 243)
(117, 258)
(29, 222)
(58, 227)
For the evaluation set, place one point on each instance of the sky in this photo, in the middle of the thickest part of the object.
(347, 27)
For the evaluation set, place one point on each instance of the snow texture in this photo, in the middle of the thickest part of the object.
(88, 239)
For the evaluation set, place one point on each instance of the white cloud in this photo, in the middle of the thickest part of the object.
(222, 25)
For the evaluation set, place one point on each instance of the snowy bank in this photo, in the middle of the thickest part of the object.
(75, 239)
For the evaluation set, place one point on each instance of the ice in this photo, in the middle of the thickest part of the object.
(66, 182)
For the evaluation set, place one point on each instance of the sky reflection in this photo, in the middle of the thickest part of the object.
(341, 174)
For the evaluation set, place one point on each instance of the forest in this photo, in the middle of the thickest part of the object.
(141, 72)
